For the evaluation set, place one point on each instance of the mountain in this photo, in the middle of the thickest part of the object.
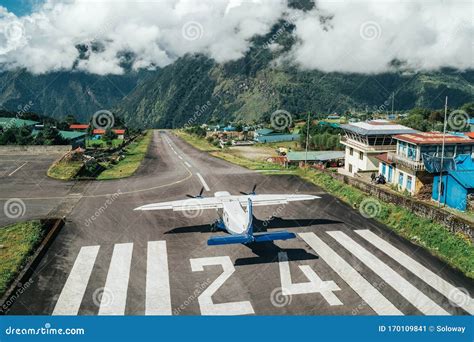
(195, 89)
(61, 93)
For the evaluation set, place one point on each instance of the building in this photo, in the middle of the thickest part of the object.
(407, 167)
(76, 139)
(267, 135)
(99, 132)
(317, 158)
(6, 123)
(79, 127)
(457, 184)
(364, 141)
(471, 124)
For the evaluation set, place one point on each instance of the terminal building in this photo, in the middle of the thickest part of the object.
(364, 141)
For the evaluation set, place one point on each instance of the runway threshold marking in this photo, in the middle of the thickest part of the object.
(158, 295)
(372, 296)
(457, 296)
(18, 168)
(400, 284)
(114, 297)
(203, 182)
(73, 291)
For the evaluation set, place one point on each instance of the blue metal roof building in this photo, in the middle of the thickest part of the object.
(457, 184)
(276, 137)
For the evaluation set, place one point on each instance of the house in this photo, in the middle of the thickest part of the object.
(99, 132)
(6, 123)
(457, 184)
(79, 127)
(266, 135)
(364, 141)
(76, 139)
(324, 158)
(410, 165)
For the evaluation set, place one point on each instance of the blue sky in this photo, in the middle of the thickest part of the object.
(20, 7)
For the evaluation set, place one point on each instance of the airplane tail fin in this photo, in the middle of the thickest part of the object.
(250, 217)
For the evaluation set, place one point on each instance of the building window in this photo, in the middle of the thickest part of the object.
(400, 179)
(351, 151)
(384, 167)
(361, 155)
(409, 182)
(350, 168)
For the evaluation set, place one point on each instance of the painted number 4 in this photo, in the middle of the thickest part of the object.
(314, 285)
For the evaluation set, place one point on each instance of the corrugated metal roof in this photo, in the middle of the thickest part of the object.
(15, 122)
(71, 135)
(465, 178)
(278, 137)
(315, 155)
(264, 131)
(377, 127)
(434, 138)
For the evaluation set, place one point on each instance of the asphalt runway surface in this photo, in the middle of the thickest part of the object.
(111, 260)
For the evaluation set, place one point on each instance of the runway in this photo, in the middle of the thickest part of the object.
(111, 260)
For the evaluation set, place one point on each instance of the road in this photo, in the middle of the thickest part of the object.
(111, 260)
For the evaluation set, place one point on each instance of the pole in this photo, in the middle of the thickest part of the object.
(393, 100)
(307, 140)
(442, 152)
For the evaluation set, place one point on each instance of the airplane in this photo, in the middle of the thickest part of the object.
(237, 214)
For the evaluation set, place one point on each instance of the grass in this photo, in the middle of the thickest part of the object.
(134, 154)
(19, 240)
(64, 170)
(455, 249)
(199, 143)
(99, 143)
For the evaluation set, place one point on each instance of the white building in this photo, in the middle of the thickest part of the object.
(364, 141)
(405, 167)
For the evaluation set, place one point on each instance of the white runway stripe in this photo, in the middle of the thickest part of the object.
(11, 173)
(180, 157)
(115, 292)
(392, 278)
(457, 296)
(158, 296)
(73, 291)
(187, 164)
(373, 298)
(203, 182)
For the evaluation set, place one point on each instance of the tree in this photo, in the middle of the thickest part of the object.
(51, 136)
(109, 136)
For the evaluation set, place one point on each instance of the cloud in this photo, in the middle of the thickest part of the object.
(371, 36)
(101, 36)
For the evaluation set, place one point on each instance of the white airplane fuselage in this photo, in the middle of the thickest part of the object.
(234, 217)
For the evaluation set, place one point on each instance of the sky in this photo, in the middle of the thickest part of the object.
(361, 36)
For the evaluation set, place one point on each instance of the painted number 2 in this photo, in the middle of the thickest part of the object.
(208, 307)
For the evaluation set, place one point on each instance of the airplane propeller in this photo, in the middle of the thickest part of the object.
(197, 196)
(250, 193)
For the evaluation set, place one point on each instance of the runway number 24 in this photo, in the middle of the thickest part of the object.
(208, 307)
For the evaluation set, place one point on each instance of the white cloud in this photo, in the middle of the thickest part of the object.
(366, 36)
(362, 36)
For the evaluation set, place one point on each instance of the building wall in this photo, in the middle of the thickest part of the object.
(454, 195)
(367, 163)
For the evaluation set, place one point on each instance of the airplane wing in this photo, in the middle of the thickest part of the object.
(218, 202)
(185, 205)
(273, 199)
